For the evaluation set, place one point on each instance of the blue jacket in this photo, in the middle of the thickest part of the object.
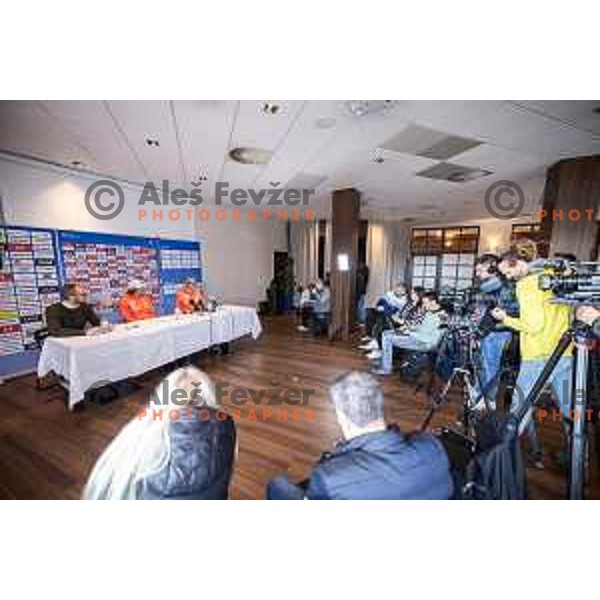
(201, 463)
(383, 465)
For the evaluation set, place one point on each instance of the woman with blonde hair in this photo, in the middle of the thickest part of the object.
(179, 446)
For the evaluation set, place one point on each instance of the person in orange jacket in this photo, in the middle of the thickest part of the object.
(190, 298)
(136, 304)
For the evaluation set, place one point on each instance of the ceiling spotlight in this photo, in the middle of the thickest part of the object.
(153, 142)
(250, 156)
(270, 108)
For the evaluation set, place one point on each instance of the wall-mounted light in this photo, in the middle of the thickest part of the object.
(343, 262)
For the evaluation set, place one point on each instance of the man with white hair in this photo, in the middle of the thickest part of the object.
(374, 461)
(136, 304)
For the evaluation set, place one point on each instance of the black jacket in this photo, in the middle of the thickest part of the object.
(64, 322)
(383, 465)
(202, 453)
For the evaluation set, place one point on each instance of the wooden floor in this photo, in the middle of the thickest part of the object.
(47, 452)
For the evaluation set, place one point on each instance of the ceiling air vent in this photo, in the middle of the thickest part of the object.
(429, 143)
(455, 173)
(361, 108)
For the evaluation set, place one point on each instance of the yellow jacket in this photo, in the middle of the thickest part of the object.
(541, 322)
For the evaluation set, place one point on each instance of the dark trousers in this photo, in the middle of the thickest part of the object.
(306, 313)
(281, 488)
(370, 322)
(382, 323)
(320, 324)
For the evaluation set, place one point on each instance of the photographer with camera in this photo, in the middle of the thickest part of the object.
(495, 291)
(590, 315)
(540, 326)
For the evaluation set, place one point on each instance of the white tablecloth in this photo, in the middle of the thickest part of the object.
(132, 349)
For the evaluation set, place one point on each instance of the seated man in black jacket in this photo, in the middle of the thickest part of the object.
(373, 461)
(72, 316)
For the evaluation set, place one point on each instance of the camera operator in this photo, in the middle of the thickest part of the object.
(540, 325)
(589, 315)
(494, 291)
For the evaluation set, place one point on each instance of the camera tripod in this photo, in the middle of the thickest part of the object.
(580, 334)
(468, 374)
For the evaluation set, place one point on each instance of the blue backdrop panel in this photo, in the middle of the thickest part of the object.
(179, 260)
(29, 282)
(35, 263)
(105, 263)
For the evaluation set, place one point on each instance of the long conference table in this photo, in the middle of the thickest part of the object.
(128, 350)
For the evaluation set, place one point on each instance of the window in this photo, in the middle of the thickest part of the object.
(531, 231)
(443, 258)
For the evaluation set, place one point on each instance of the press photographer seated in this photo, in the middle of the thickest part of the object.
(374, 461)
(397, 309)
(424, 337)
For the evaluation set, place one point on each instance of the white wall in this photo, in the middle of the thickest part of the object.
(40, 195)
(237, 256)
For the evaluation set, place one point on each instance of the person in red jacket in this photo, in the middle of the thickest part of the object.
(136, 304)
(190, 298)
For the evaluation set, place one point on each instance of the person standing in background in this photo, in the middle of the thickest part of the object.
(322, 307)
(362, 282)
(494, 291)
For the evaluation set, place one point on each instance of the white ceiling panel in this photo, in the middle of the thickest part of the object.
(139, 121)
(305, 140)
(26, 128)
(204, 128)
(106, 151)
(579, 113)
(256, 129)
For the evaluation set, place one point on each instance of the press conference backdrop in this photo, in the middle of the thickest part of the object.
(35, 263)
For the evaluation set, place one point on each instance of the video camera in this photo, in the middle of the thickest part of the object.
(571, 282)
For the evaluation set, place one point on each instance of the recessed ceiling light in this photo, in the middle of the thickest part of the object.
(250, 156)
(325, 122)
(271, 108)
